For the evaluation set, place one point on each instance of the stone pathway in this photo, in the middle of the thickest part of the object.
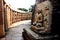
(15, 33)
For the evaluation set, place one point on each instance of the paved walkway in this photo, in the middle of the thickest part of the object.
(15, 33)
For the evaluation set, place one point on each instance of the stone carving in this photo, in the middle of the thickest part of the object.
(41, 28)
(42, 18)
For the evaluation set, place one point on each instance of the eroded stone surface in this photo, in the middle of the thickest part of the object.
(42, 19)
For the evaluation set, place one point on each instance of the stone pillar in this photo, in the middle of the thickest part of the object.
(42, 19)
(45, 21)
(55, 16)
(2, 32)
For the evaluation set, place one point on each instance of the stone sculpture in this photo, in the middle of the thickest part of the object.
(42, 17)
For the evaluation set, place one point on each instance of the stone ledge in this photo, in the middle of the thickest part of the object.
(35, 36)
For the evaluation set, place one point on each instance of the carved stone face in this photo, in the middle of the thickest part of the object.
(42, 16)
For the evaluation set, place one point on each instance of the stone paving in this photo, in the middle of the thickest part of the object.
(15, 33)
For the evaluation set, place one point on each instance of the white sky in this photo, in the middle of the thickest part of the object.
(21, 3)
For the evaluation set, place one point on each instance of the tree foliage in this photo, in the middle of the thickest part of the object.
(31, 8)
(23, 9)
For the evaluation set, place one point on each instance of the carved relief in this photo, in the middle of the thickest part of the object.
(42, 17)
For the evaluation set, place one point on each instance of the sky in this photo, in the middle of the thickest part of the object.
(21, 3)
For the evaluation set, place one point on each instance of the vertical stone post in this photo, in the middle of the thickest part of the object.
(2, 31)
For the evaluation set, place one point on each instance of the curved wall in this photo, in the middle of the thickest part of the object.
(8, 16)
(13, 16)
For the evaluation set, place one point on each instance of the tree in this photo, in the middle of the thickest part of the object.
(31, 8)
(23, 9)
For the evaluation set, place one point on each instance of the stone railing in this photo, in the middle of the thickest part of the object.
(12, 16)
(8, 16)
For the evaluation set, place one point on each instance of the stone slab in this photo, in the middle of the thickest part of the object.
(35, 36)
